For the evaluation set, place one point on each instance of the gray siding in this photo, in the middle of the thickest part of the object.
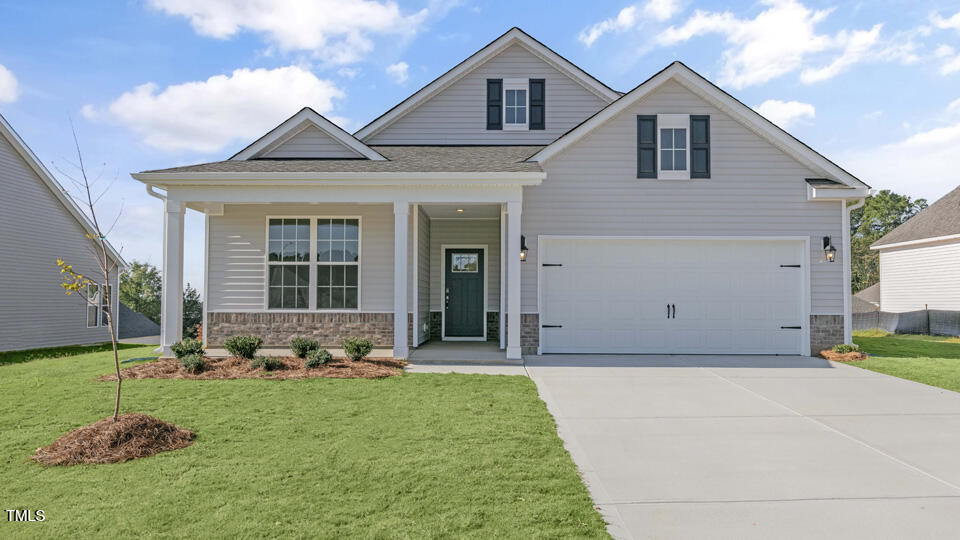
(311, 143)
(920, 277)
(457, 114)
(38, 229)
(237, 243)
(755, 190)
(470, 232)
(423, 264)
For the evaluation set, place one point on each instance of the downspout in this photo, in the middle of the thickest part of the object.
(151, 192)
(847, 293)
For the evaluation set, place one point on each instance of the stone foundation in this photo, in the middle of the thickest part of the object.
(529, 332)
(277, 329)
(825, 332)
(493, 326)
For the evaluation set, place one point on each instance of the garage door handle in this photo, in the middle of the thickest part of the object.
(674, 310)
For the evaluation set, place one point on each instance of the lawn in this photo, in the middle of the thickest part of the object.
(933, 360)
(413, 456)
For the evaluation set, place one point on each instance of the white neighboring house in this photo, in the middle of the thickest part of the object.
(920, 260)
(517, 199)
(40, 223)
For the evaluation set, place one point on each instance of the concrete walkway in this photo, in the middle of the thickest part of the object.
(757, 447)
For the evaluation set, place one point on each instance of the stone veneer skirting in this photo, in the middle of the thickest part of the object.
(277, 329)
(493, 325)
(825, 332)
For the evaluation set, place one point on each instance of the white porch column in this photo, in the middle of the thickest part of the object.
(512, 257)
(171, 298)
(401, 219)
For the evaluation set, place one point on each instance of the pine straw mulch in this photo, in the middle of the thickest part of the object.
(236, 368)
(132, 436)
(855, 356)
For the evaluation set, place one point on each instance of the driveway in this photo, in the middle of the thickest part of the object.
(757, 447)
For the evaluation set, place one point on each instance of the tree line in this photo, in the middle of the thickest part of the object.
(140, 288)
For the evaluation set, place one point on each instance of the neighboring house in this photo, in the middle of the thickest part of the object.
(40, 224)
(518, 199)
(867, 300)
(135, 325)
(920, 260)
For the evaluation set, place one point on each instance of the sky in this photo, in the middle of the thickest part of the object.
(873, 85)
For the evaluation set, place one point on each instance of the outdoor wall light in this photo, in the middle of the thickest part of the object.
(829, 251)
(523, 248)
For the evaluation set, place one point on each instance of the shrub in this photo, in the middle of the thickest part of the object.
(357, 348)
(302, 347)
(318, 357)
(193, 363)
(845, 348)
(243, 346)
(187, 347)
(268, 363)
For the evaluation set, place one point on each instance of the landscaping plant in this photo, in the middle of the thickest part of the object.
(187, 347)
(193, 363)
(245, 347)
(302, 347)
(318, 357)
(845, 348)
(357, 349)
(268, 363)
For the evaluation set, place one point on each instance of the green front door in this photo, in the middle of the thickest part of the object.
(463, 294)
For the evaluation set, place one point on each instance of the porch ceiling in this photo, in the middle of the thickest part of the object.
(470, 211)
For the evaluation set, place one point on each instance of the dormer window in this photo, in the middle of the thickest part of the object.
(515, 103)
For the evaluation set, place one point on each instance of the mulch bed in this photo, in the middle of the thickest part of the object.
(855, 356)
(236, 368)
(132, 436)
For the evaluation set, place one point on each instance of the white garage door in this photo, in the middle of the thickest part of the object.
(673, 296)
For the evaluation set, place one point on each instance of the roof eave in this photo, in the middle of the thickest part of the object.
(932, 240)
(279, 179)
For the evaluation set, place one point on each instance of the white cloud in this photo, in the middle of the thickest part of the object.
(630, 17)
(951, 60)
(398, 72)
(786, 113)
(205, 116)
(856, 46)
(8, 85)
(336, 31)
(954, 107)
(348, 72)
(946, 24)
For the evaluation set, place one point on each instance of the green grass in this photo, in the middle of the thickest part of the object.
(407, 457)
(933, 360)
(16, 357)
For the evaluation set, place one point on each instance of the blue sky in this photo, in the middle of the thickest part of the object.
(148, 84)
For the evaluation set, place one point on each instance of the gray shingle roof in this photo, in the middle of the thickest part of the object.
(399, 159)
(941, 218)
(870, 294)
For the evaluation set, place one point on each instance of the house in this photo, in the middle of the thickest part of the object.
(41, 223)
(517, 199)
(867, 300)
(920, 260)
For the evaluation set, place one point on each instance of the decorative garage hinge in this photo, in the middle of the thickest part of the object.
(789, 266)
(551, 326)
(790, 327)
(551, 264)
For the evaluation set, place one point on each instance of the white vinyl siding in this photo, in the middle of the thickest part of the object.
(38, 229)
(754, 189)
(237, 246)
(457, 114)
(311, 143)
(926, 275)
(452, 232)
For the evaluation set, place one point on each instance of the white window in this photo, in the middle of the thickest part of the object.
(515, 104)
(673, 144)
(313, 263)
(98, 305)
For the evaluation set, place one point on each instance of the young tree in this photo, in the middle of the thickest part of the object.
(192, 311)
(80, 284)
(882, 212)
(140, 288)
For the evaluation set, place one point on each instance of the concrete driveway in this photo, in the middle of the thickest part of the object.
(757, 447)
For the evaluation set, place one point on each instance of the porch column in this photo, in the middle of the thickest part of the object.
(401, 218)
(512, 257)
(171, 298)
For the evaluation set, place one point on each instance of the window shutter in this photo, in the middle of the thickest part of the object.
(494, 103)
(646, 146)
(699, 146)
(538, 101)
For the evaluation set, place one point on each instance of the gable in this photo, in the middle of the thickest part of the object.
(310, 142)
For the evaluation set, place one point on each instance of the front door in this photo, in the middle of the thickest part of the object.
(463, 294)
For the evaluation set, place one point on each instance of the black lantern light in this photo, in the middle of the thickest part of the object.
(829, 251)
(523, 248)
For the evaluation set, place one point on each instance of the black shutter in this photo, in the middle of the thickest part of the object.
(538, 102)
(646, 146)
(494, 103)
(699, 146)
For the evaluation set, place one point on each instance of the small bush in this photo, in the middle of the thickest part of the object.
(193, 363)
(357, 348)
(245, 347)
(187, 347)
(302, 347)
(268, 363)
(845, 348)
(318, 357)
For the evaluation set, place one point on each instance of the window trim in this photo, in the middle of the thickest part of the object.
(312, 265)
(673, 121)
(98, 304)
(516, 84)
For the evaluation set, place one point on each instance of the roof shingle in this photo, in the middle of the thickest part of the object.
(941, 218)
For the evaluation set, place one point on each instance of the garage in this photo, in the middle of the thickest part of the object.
(686, 295)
